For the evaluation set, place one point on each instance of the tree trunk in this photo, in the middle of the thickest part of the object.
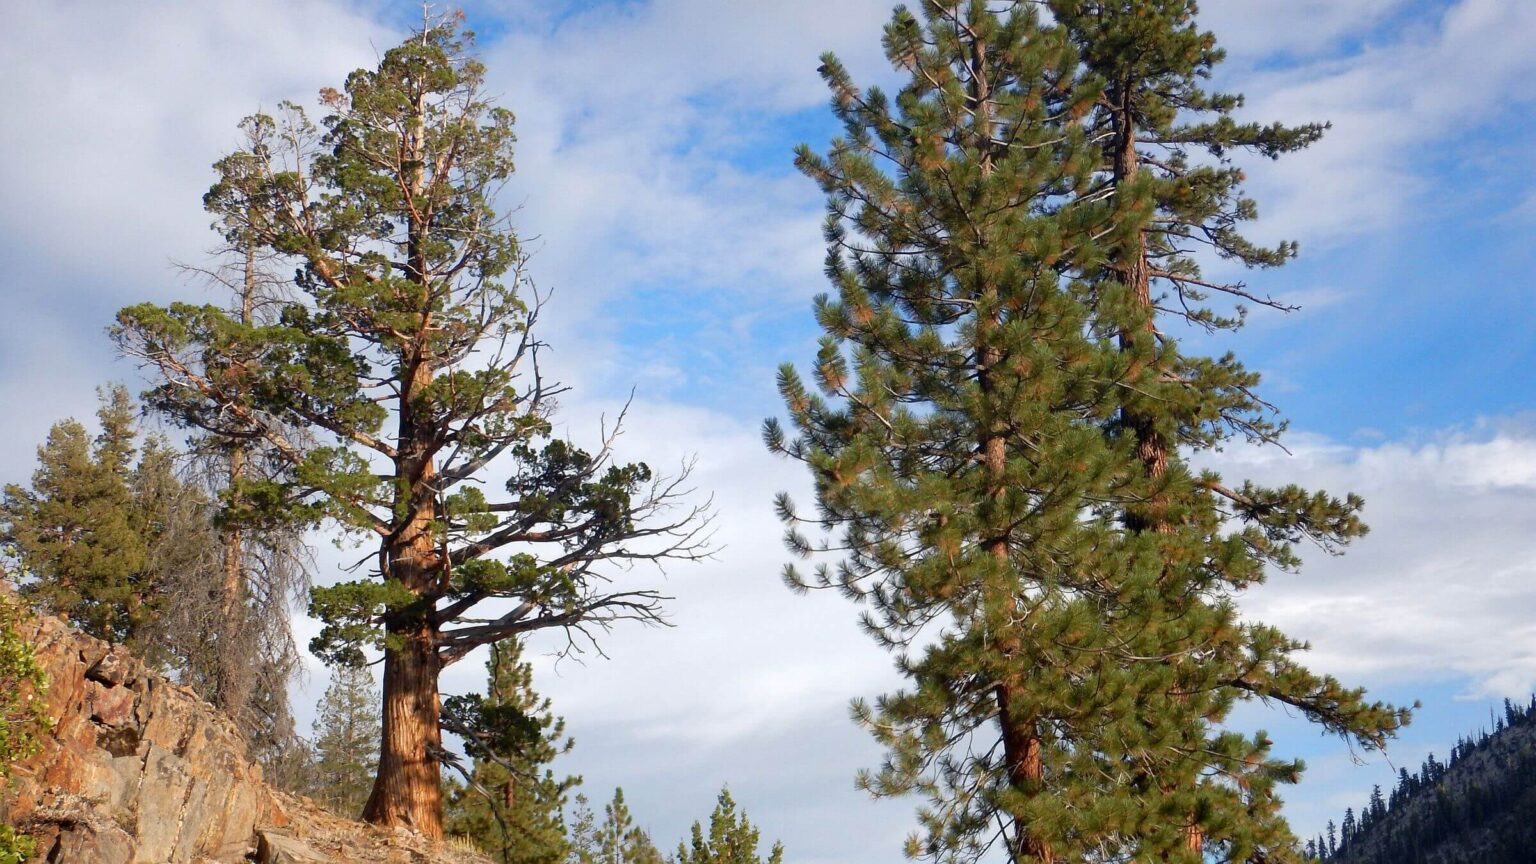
(231, 688)
(407, 790)
(1134, 272)
(232, 666)
(1131, 269)
(1021, 740)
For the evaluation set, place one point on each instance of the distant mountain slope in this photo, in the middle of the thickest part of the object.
(1479, 808)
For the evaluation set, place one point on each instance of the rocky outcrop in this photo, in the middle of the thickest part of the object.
(138, 770)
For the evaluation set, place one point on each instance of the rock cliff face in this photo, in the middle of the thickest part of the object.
(138, 770)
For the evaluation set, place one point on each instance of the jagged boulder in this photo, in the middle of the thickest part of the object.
(138, 770)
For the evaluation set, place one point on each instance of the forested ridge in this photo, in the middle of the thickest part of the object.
(1479, 805)
(1004, 428)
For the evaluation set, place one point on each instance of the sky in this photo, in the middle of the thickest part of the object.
(656, 191)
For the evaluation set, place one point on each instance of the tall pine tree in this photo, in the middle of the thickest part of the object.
(1167, 159)
(1063, 612)
(408, 353)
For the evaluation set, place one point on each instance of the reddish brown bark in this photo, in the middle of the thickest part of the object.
(407, 790)
(408, 787)
(1021, 740)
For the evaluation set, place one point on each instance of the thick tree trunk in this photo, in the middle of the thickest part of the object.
(408, 787)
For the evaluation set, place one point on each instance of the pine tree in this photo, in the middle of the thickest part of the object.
(1167, 160)
(108, 531)
(980, 441)
(264, 572)
(952, 441)
(616, 840)
(249, 655)
(120, 536)
(408, 354)
(513, 805)
(346, 741)
(75, 534)
(731, 839)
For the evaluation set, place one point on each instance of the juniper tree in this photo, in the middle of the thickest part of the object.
(731, 839)
(408, 353)
(970, 445)
(346, 743)
(512, 802)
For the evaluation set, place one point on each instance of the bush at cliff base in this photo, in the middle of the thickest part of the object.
(21, 715)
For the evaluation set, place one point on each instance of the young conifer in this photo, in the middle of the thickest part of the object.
(615, 840)
(730, 839)
(346, 742)
(512, 806)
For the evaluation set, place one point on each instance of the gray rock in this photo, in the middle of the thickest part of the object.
(88, 845)
(274, 848)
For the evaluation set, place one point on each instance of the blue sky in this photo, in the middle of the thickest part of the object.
(655, 175)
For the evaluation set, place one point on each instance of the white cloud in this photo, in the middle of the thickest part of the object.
(1391, 104)
(632, 127)
(1260, 29)
(114, 113)
(1441, 587)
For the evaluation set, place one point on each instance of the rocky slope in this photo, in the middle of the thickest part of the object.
(138, 770)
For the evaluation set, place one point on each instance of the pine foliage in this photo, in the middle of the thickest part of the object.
(108, 531)
(731, 839)
(997, 431)
(346, 741)
(513, 803)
